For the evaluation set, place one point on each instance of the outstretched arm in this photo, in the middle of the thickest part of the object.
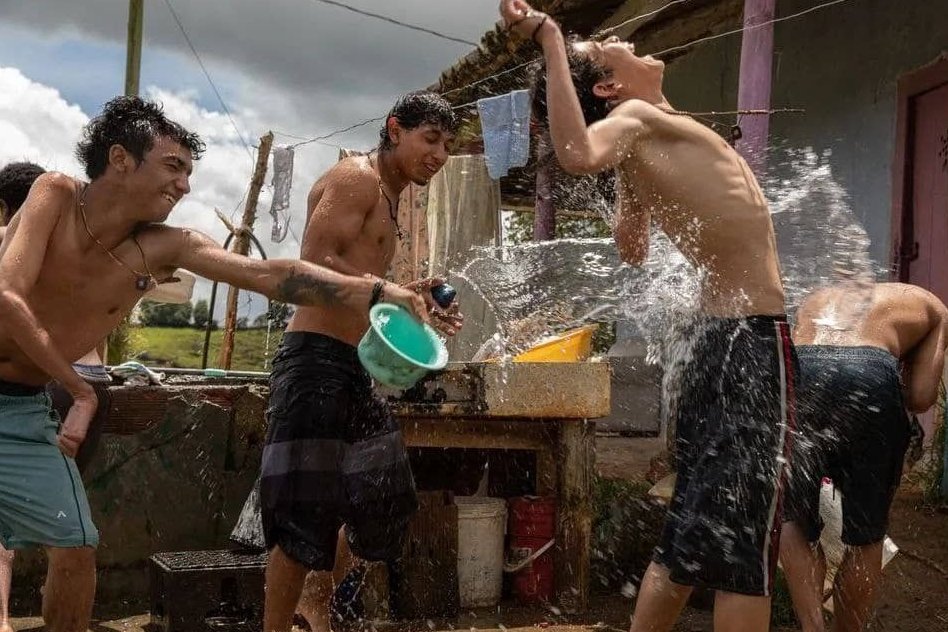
(579, 149)
(288, 280)
(926, 367)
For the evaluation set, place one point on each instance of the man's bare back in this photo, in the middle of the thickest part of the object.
(349, 227)
(702, 194)
(907, 321)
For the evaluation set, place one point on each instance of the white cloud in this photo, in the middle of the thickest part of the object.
(37, 124)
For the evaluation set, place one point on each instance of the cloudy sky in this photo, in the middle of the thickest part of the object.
(300, 67)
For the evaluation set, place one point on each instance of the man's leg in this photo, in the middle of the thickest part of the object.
(6, 578)
(734, 612)
(70, 589)
(318, 589)
(659, 602)
(857, 582)
(284, 582)
(802, 566)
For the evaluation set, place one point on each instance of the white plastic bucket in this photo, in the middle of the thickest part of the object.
(481, 524)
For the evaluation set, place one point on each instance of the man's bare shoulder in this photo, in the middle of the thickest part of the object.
(351, 177)
(354, 171)
(51, 192)
(636, 110)
(912, 296)
(350, 183)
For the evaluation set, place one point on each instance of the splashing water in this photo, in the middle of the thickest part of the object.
(538, 288)
(819, 239)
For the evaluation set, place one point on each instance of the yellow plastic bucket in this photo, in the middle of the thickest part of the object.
(573, 346)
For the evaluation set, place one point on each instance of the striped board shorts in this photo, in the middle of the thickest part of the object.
(735, 419)
(334, 456)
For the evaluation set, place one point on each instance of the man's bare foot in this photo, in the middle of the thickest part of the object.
(6, 627)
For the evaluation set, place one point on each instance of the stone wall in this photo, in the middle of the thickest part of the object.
(177, 485)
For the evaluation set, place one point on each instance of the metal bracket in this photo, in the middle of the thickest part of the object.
(908, 253)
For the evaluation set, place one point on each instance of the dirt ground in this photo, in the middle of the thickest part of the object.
(914, 596)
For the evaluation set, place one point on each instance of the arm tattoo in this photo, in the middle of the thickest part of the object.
(300, 288)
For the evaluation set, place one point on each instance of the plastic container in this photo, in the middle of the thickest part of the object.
(532, 528)
(398, 350)
(573, 346)
(481, 522)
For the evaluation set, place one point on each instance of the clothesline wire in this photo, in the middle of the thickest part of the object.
(323, 137)
(823, 5)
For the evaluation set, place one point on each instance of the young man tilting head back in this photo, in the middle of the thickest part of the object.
(606, 110)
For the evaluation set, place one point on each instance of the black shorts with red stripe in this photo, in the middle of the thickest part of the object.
(734, 418)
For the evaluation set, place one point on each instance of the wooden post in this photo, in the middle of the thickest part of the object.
(757, 51)
(133, 56)
(242, 246)
(544, 220)
(574, 513)
(117, 347)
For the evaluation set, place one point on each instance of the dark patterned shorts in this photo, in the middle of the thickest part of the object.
(334, 456)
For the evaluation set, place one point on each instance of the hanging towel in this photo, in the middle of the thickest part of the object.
(282, 181)
(505, 124)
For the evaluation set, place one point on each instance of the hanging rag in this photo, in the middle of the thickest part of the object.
(282, 181)
(505, 125)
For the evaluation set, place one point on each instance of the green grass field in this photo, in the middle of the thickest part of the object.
(173, 347)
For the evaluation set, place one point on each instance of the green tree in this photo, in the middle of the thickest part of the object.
(200, 314)
(279, 312)
(153, 314)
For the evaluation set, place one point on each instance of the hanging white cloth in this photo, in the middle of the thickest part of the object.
(282, 183)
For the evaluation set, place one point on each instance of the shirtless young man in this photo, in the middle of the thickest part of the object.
(334, 453)
(606, 110)
(858, 386)
(75, 260)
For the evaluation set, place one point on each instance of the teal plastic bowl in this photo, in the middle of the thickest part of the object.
(398, 350)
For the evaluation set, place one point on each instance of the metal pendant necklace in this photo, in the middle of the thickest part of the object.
(392, 208)
(143, 280)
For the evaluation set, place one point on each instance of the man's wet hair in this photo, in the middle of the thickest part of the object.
(419, 108)
(585, 72)
(15, 181)
(134, 123)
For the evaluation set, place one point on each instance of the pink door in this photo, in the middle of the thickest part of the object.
(930, 192)
(925, 227)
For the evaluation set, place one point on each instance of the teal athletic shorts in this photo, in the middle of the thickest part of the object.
(42, 500)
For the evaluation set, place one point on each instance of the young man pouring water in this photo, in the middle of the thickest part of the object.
(74, 262)
(334, 453)
(606, 110)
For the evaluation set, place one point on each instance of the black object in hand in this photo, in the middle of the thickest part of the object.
(443, 295)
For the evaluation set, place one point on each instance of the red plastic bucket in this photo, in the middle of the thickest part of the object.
(531, 526)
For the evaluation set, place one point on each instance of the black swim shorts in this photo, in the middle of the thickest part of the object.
(334, 455)
(853, 428)
(734, 415)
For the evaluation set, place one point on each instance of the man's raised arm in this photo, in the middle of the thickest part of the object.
(579, 149)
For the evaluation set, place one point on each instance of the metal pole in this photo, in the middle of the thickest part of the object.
(757, 54)
(544, 221)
